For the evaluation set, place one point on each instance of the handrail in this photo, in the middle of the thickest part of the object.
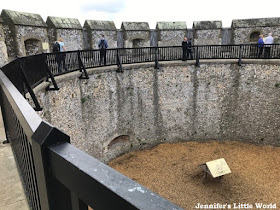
(38, 68)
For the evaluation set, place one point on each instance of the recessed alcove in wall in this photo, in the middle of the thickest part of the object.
(118, 142)
(137, 43)
(254, 37)
(33, 46)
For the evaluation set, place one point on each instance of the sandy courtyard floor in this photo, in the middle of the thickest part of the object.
(172, 171)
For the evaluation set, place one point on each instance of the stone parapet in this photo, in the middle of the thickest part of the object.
(69, 29)
(96, 28)
(136, 34)
(171, 33)
(207, 32)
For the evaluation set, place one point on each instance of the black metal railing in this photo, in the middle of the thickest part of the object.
(57, 175)
(36, 67)
(26, 72)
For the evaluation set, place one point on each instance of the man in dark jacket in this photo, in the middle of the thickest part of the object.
(184, 47)
(102, 45)
(189, 49)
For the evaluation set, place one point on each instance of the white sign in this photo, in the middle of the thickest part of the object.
(218, 167)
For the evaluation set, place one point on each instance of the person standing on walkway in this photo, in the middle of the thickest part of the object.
(268, 42)
(184, 47)
(102, 45)
(61, 56)
(189, 49)
(260, 45)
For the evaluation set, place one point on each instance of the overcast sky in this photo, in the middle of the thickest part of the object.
(148, 10)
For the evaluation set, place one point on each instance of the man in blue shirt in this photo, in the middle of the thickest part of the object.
(102, 45)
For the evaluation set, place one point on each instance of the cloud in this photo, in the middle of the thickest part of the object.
(108, 6)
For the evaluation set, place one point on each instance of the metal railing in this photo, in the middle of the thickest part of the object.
(26, 72)
(57, 175)
(39, 67)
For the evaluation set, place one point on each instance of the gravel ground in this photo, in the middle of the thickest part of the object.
(172, 171)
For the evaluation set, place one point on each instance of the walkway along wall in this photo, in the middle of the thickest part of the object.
(112, 113)
(28, 34)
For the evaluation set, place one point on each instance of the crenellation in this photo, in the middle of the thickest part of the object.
(136, 34)
(207, 32)
(27, 33)
(171, 33)
(96, 28)
(69, 29)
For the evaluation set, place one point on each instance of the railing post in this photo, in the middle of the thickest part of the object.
(197, 57)
(50, 75)
(156, 58)
(240, 55)
(82, 68)
(52, 194)
(119, 63)
(28, 86)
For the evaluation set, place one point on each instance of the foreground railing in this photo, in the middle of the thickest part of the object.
(57, 175)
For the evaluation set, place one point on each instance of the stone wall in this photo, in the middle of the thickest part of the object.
(30, 33)
(95, 29)
(171, 33)
(3, 48)
(25, 33)
(40, 36)
(69, 29)
(136, 34)
(242, 29)
(207, 32)
(180, 102)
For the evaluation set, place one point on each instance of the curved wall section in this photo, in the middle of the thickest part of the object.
(112, 113)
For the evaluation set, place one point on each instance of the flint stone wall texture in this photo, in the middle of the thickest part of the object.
(24, 33)
(96, 28)
(3, 47)
(136, 34)
(69, 29)
(171, 33)
(72, 38)
(207, 32)
(242, 29)
(179, 102)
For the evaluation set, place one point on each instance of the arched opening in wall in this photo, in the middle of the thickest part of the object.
(254, 37)
(33, 47)
(137, 53)
(137, 43)
(118, 142)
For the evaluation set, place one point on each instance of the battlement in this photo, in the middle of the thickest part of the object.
(23, 34)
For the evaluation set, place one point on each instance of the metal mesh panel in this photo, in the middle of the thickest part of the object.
(22, 151)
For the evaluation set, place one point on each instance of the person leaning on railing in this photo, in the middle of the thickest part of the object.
(268, 41)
